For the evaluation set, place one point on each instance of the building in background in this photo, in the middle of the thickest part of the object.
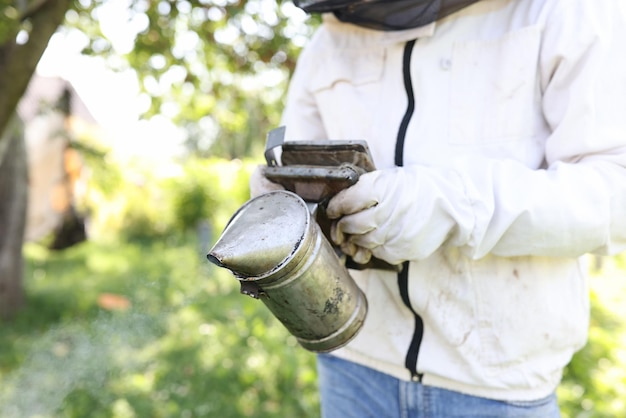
(53, 115)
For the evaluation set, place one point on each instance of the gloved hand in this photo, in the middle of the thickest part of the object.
(259, 184)
(399, 214)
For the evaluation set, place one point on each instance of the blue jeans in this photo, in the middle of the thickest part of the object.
(349, 390)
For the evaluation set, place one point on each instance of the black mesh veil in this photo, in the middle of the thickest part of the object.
(387, 15)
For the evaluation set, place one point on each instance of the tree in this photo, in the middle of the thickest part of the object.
(216, 67)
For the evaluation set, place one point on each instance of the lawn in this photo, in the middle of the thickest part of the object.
(146, 330)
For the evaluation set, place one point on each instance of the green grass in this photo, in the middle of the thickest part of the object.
(190, 345)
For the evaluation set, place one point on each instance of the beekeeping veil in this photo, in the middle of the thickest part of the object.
(386, 15)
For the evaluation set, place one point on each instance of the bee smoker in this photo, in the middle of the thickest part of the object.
(277, 251)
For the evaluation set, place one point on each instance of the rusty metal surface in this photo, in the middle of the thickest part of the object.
(313, 184)
(329, 153)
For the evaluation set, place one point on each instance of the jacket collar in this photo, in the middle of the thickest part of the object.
(381, 37)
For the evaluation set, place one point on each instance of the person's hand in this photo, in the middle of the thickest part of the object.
(259, 184)
(395, 214)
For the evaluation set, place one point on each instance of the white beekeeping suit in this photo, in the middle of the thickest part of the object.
(499, 135)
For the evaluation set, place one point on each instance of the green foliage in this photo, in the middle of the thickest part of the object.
(192, 204)
(208, 189)
(9, 20)
(137, 209)
(133, 202)
(219, 69)
(594, 383)
(104, 173)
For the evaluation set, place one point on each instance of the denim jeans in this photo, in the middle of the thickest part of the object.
(349, 390)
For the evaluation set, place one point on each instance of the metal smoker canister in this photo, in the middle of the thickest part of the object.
(278, 252)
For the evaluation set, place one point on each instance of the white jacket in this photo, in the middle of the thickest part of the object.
(520, 119)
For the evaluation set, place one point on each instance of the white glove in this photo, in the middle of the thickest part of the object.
(399, 214)
(259, 184)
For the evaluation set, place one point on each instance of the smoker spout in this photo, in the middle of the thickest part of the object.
(213, 259)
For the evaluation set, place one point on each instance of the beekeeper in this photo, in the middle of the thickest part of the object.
(498, 129)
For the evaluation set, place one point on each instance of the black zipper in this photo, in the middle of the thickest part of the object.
(410, 360)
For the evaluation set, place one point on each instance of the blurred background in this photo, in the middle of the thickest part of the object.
(129, 129)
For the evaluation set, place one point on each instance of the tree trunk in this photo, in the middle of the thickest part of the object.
(17, 65)
(13, 201)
